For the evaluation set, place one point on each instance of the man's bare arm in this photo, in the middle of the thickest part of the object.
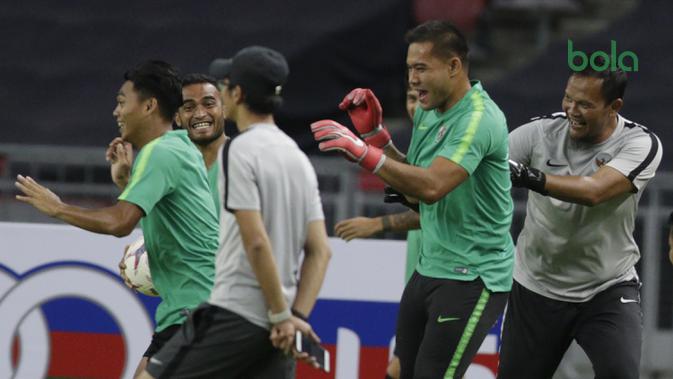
(258, 250)
(428, 185)
(605, 184)
(117, 220)
(317, 254)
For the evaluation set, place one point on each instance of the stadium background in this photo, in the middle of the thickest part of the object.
(62, 62)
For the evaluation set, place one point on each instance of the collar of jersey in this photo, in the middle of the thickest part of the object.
(260, 124)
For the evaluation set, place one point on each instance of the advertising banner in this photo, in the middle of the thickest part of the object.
(66, 313)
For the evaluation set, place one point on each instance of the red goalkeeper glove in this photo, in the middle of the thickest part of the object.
(366, 114)
(336, 137)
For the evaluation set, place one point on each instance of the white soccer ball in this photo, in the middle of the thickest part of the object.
(138, 268)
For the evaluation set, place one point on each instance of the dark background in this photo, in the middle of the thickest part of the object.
(62, 61)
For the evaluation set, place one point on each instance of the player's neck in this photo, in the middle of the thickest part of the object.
(608, 130)
(462, 87)
(151, 132)
(209, 151)
(246, 118)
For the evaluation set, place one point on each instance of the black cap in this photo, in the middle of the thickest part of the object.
(260, 71)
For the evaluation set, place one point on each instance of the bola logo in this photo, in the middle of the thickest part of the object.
(601, 61)
(21, 315)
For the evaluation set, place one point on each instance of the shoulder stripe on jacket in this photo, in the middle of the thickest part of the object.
(554, 115)
(225, 170)
(468, 137)
(654, 148)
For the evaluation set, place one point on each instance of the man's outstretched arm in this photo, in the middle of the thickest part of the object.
(605, 184)
(425, 184)
(364, 227)
(117, 220)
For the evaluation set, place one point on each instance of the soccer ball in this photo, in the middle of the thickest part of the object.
(138, 268)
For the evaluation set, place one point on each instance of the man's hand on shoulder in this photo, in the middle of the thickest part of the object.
(527, 177)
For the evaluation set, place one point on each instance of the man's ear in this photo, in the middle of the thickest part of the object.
(237, 94)
(151, 105)
(455, 66)
(617, 105)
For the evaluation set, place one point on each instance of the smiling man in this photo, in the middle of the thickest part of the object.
(202, 115)
(272, 217)
(574, 273)
(457, 168)
(167, 193)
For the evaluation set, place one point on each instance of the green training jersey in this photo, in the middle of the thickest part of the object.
(169, 183)
(466, 233)
(413, 250)
(213, 173)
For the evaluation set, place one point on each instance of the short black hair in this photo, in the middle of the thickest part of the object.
(160, 80)
(260, 104)
(614, 82)
(447, 40)
(198, 78)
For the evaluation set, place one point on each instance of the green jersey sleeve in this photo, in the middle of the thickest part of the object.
(152, 177)
(469, 141)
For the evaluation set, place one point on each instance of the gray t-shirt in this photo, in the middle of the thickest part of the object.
(571, 252)
(263, 170)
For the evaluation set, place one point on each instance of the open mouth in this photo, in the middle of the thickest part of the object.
(201, 125)
(576, 124)
(422, 95)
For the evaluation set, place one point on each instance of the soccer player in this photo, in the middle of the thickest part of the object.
(409, 221)
(457, 168)
(273, 212)
(202, 115)
(167, 193)
(574, 277)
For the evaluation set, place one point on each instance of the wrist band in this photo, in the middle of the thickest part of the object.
(276, 318)
(386, 223)
(299, 315)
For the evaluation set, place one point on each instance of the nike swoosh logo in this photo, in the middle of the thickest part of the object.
(156, 361)
(554, 165)
(441, 319)
(624, 301)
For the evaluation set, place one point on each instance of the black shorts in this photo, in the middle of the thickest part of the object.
(159, 339)
(217, 343)
(538, 330)
(442, 324)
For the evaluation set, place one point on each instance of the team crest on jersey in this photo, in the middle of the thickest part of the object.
(601, 159)
(441, 133)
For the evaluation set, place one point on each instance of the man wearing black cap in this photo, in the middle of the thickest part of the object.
(273, 213)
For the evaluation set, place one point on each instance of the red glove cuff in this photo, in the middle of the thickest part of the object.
(373, 159)
(379, 137)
